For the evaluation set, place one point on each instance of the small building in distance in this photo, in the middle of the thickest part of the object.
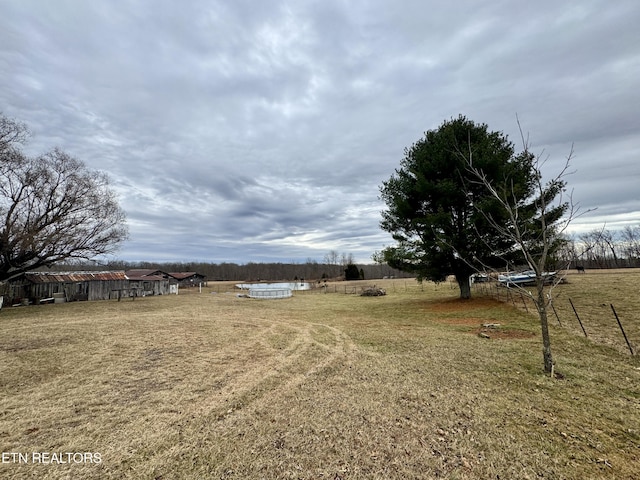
(189, 279)
(143, 282)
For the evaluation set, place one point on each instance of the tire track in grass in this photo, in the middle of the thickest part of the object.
(311, 348)
(280, 357)
(340, 348)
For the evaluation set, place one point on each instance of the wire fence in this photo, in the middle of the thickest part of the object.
(607, 321)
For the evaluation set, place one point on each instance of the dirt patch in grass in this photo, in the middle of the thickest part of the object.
(495, 331)
(468, 321)
(504, 334)
(457, 304)
(499, 328)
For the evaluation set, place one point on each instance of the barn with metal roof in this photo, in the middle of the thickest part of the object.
(72, 286)
(150, 282)
(189, 279)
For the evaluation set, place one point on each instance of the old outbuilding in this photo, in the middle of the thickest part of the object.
(37, 287)
(189, 279)
(143, 282)
(34, 287)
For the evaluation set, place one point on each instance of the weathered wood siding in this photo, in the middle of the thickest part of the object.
(75, 286)
(150, 287)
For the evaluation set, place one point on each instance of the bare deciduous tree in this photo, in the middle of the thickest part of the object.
(536, 227)
(12, 133)
(52, 207)
(602, 248)
(631, 242)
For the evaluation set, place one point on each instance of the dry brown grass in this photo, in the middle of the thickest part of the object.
(316, 386)
(592, 294)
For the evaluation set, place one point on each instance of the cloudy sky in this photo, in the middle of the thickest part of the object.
(258, 131)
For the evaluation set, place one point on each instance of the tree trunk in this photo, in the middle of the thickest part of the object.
(465, 287)
(544, 325)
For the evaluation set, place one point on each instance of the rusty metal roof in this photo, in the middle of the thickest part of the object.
(61, 277)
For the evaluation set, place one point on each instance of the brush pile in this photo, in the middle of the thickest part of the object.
(373, 292)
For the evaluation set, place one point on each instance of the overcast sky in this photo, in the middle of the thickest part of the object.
(261, 131)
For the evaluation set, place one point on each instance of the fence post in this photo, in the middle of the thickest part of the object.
(578, 317)
(556, 313)
(524, 302)
(622, 330)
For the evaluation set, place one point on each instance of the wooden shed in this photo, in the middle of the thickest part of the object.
(33, 287)
(189, 279)
(149, 282)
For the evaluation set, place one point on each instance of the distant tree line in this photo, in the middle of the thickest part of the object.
(595, 249)
(603, 248)
(311, 271)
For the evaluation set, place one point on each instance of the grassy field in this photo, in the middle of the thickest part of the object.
(319, 386)
(589, 297)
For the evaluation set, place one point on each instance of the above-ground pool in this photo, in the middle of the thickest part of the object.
(270, 293)
(278, 285)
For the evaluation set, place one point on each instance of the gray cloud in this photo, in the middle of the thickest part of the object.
(258, 131)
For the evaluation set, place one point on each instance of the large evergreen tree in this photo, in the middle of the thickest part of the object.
(437, 209)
